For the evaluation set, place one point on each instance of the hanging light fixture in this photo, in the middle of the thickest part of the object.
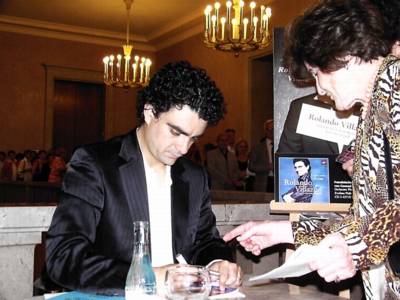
(239, 30)
(123, 71)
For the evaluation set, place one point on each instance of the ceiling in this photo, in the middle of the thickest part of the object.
(154, 24)
(149, 18)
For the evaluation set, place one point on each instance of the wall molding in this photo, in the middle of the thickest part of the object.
(165, 37)
(70, 33)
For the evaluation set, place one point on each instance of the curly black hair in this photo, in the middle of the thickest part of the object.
(305, 161)
(332, 30)
(178, 84)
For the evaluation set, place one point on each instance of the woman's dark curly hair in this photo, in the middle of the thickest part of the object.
(332, 30)
(178, 84)
(390, 11)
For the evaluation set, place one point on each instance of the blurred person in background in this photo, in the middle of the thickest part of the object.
(9, 170)
(242, 157)
(58, 166)
(41, 167)
(261, 161)
(222, 166)
(231, 136)
(24, 169)
(2, 159)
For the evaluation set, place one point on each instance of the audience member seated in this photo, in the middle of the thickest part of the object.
(9, 170)
(2, 159)
(242, 157)
(24, 168)
(222, 166)
(41, 167)
(58, 166)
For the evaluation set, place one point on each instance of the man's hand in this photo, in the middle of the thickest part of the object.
(255, 236)
(230, 274)
(160, 277)
(336, 263)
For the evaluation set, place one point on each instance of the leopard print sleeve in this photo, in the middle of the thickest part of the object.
(372, 224)
(381, 232)
(312, 231)
(392, 88)
(369, 238)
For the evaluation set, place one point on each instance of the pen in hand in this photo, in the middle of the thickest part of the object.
(181, 260)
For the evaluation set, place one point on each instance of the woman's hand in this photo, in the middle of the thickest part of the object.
(255, 236)
(336, 263)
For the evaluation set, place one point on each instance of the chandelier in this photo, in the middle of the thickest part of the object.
(239, 30)
(123, 71)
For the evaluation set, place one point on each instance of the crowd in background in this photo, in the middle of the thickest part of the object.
(233, 165)
(40, 166)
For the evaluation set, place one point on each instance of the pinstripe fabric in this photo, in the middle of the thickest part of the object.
(89, 244)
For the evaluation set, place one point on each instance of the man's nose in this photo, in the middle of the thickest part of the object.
(183, 145)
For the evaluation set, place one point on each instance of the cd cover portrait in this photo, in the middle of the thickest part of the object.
(310, 179)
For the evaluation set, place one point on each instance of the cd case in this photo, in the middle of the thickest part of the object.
(318, 178)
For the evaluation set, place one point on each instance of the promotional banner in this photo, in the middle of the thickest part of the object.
(284, 90)
(312, 137)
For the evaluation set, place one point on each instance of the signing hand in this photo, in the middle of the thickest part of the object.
(336, 263)
(255, 236)
(230, 274)
(160, 277)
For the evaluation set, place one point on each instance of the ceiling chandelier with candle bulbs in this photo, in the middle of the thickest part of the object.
(123, 70)
(237, 26)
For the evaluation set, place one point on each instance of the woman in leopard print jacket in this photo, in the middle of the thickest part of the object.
(344, 45)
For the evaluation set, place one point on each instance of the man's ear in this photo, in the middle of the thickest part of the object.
(148, 113)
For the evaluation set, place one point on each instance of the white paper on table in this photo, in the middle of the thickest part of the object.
(234, 294)
(296, 265)
(52, 295)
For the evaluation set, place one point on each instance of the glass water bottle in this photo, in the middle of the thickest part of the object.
(141, 278)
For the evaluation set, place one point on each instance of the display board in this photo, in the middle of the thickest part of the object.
(284, 90)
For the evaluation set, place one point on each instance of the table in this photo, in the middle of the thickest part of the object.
(280, 291)
(275, 291)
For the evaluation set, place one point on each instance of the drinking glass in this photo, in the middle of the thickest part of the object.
(187, 282)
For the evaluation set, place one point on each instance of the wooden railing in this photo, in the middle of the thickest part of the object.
(28, 193)
(43, 193)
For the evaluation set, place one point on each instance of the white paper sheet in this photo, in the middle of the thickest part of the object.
(296, 265)
(324, 124)
(232, 294)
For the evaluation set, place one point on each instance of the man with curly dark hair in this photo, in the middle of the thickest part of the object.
(142, 176)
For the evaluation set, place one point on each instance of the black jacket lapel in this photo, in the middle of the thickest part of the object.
(133, 178)
(179, 207)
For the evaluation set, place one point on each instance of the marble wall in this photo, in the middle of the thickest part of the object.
(21, 228)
